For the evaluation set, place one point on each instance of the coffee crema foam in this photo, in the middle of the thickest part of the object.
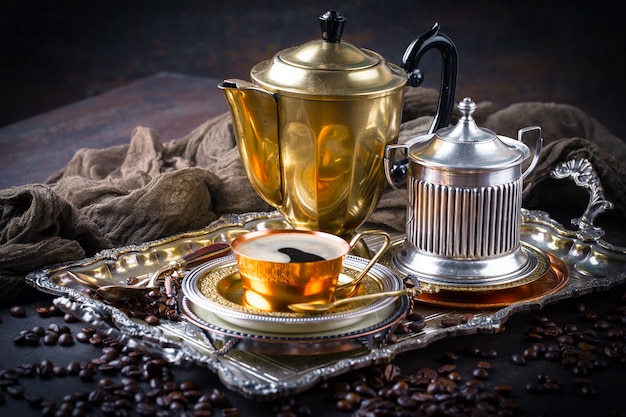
(268, 247)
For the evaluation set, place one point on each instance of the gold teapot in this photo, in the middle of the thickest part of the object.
(313, 125)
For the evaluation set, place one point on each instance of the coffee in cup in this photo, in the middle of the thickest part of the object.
(282, 267)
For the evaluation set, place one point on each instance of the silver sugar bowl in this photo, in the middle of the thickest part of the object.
(464, 197)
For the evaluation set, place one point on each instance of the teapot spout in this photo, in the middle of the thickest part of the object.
(255, 124)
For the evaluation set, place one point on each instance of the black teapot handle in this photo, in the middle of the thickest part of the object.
(410, 61)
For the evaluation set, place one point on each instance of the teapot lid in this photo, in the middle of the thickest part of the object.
(467, 146)
(327, 68)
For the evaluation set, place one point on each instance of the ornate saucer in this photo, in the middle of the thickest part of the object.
(366, 334)
(215, 291)
(538, 264)
(553, 279)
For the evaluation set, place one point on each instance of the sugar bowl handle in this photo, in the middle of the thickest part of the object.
(396, 173)
(538, 145)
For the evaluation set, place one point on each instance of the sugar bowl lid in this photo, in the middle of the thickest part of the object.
(467, 146)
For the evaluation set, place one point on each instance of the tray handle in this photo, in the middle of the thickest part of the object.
(582, 172)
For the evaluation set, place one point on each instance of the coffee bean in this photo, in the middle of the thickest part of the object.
(68, 318)
(20, 340)
(489, 354)
(23, 370)
(587, 346)
(402, 328)
(50, 339)
(587, 390)
(467, 317)
(569, 361)
(54, 328)
(231, 412)
(44, 369)
(446, 369)
(86, 374)
(152, 320)
(503, 389)
(33, 400)
(591, 314)
(38, 330)
(219, 399)
(551, 386)
(43, 312)
(406, 401)
(73, 368)
(391, 372)
(480, 373)
(552, 332)
(82, 337)
(137, 314)
(565, 339)
(553, 356)
(455, 376)
(530, 353)
(449, 357)
(417, 326)
(59, 370)
(95, 340)
(472, 351)
(450, 322)
(15, 390)
(428, 373)
(579, 370)
(415, 316)
(66, 339)
(518, 359)
(31, 338)
(108, 407)
(392, 338)
(17, 311)
(365, 391)
(187, 386)
(534, 387)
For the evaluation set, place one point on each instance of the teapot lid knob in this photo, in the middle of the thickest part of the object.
(331, 24)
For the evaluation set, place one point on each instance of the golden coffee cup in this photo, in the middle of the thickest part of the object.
(282, 267)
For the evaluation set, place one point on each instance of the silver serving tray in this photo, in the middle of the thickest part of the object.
(593, 264)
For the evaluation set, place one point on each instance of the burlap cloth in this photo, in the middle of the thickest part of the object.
(151, 188)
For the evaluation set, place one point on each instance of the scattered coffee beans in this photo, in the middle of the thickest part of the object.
(123, 381)
(127, 381)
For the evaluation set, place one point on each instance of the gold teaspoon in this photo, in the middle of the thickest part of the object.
(323, 307)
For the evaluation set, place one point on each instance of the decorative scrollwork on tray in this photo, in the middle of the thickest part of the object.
(593, 265)
(584, 175)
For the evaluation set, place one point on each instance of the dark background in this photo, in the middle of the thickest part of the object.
(57, 52)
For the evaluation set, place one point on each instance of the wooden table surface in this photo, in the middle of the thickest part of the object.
(172, 104)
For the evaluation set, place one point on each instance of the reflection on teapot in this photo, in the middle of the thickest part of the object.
(313, 125)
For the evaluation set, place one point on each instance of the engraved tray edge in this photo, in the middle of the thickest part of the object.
(595, 265)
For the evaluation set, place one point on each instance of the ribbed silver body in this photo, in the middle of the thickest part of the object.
(464, 222)
(463, 227)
